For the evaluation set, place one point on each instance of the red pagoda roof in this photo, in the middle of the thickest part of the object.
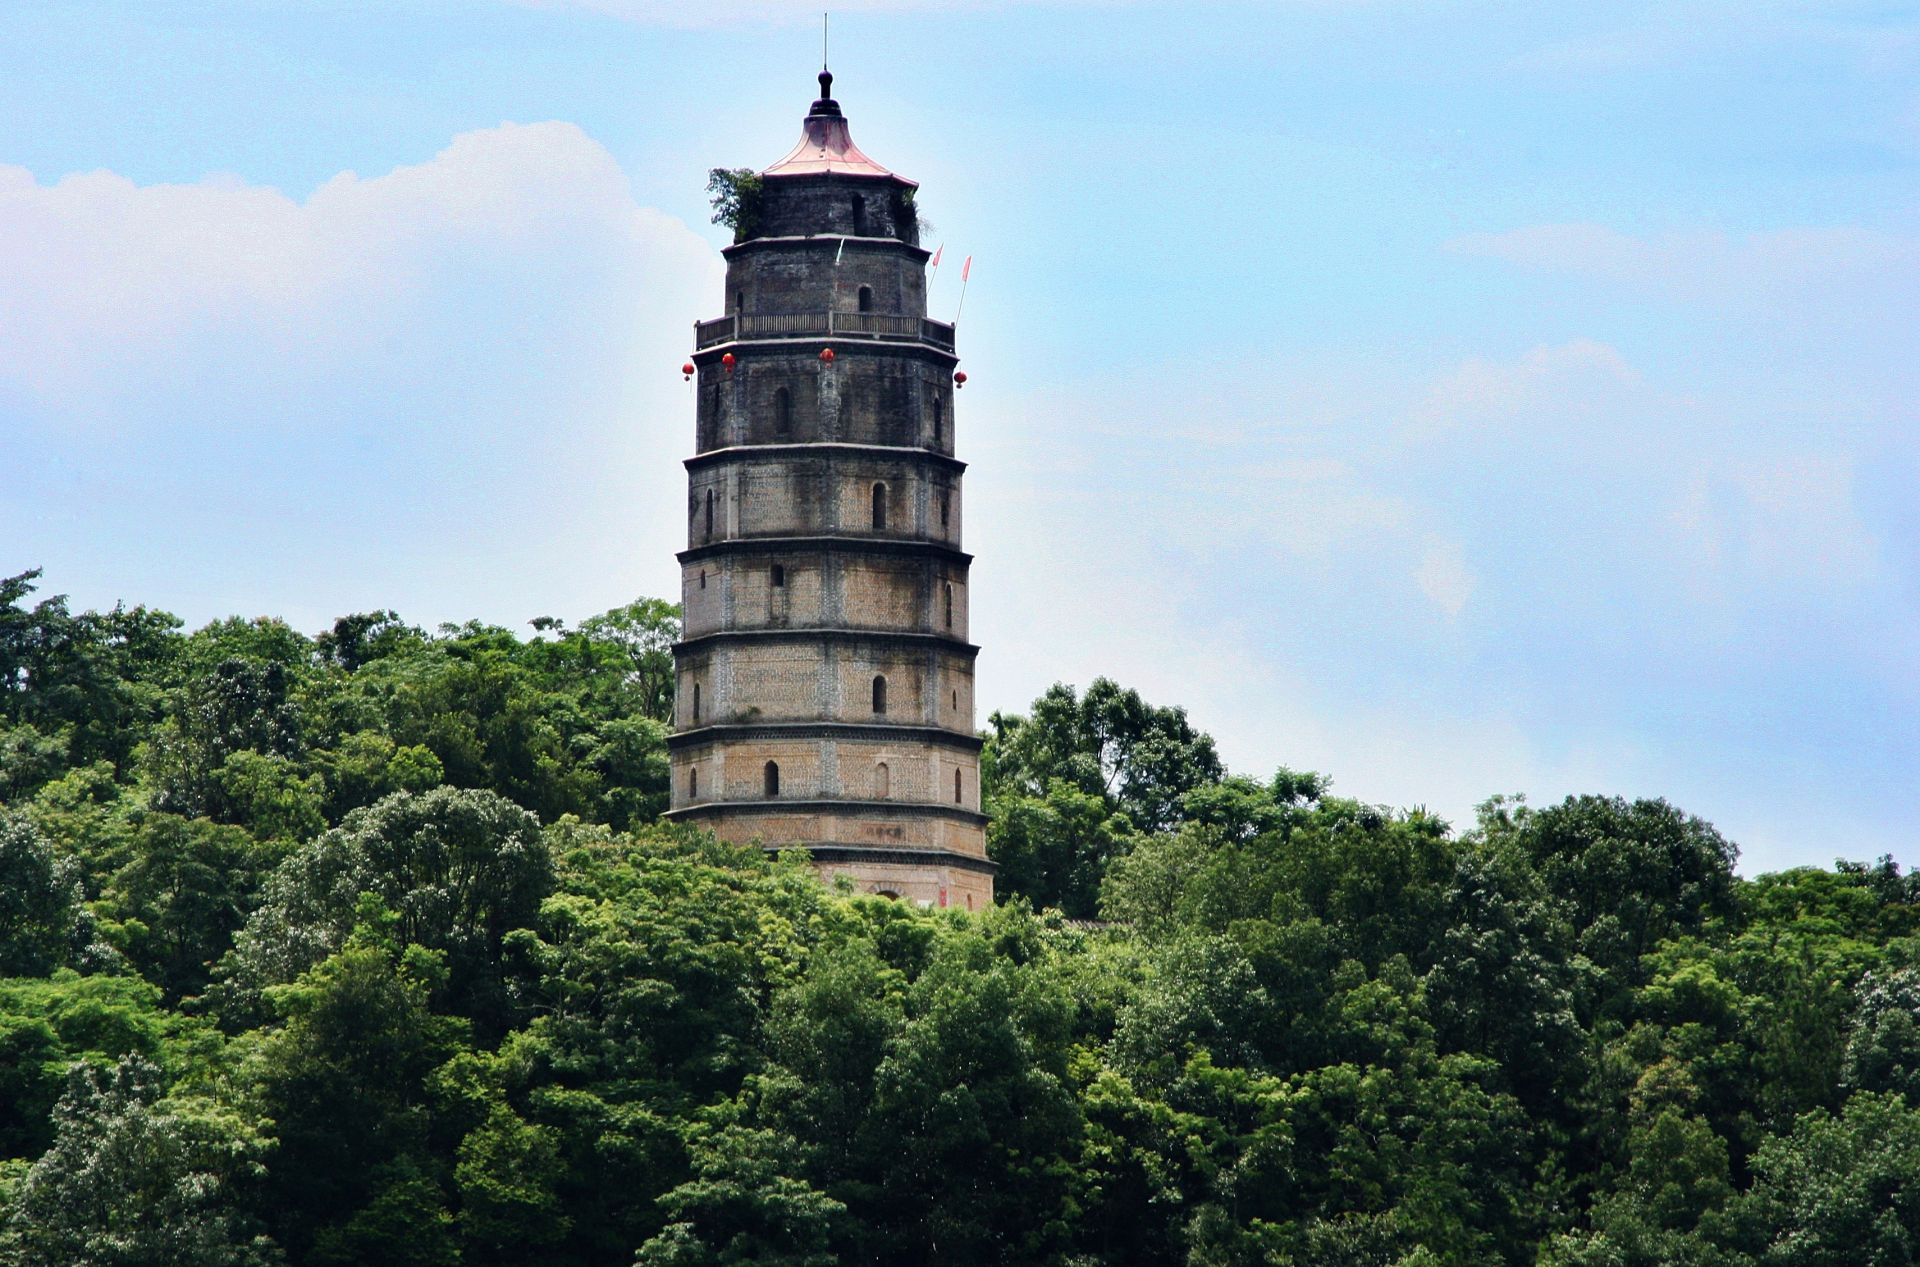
(826, 147)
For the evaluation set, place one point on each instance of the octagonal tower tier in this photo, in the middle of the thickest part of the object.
(825, 679)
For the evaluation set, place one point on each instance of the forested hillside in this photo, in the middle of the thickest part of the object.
(368, 948)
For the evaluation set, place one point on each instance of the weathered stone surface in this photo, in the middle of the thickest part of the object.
(825, 678)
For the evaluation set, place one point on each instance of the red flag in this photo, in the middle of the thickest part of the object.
(935, 261)
(966, 268)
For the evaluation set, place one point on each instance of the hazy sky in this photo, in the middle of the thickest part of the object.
(1455, 398)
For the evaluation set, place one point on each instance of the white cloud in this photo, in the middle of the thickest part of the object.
(1777, 266)
(1582, 376)
(1790, 520)
(102, 279)
(1444, 577)
(451, 386)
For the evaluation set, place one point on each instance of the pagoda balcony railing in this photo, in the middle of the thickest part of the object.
(864, 325)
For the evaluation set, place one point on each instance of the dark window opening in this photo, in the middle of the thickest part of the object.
(739, 301)
(879, 507)
(709, 513)
(956, 699)
(949, 606)
(859, 216)
(779, 576)
(946, 507)
(879, 695)
(703, 578)
(956, 787)
(696, 701)
(866, 299)
(771, 776)
(693, 782)
(782, 411)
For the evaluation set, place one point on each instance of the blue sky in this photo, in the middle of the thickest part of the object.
(1456, 398)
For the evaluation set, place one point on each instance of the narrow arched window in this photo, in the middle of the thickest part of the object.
(779, 576)
(946, 507)
(956, 700)
(696, 701)
(866, 299)
(956, 787)
(693, 782)
(782, 411)
(879, 507)
(879, 694)
(703, 578)
(771, 776)
(709, 513)
(882, 781)
(949, 606)
(859, 216)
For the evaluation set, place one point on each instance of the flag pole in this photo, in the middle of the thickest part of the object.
(966, 270)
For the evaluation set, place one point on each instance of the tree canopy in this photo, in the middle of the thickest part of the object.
(371, 947)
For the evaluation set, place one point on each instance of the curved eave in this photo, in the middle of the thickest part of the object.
(896, 857)
(814, 343)
(826, 242)
(818, 545)
(820, 448)
(818, 634)
(732, 733)
(827, 805)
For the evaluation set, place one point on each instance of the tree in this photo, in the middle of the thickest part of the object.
(458, 870)
(1836, 1191)
(1053, 849)
(1635, 873)
(42, 923)
(184, 891)
(968, 1143)
(507, 1172)
(137, 1180)
(1109, 743)
(642, 634)
(743, 1205)
(1883, 1051)
(345, 1081)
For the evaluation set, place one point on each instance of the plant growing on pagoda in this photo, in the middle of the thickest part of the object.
(737, 196)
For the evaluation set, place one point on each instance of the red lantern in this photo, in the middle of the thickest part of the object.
(727, 360)
(686, 371)
(826, 354)
(960, 379)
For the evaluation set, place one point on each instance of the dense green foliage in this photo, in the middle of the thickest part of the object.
(369, 949)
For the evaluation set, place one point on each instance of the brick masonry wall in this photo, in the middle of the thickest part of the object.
(801, 277)
(871, 393)
(742, 683)
(816, 491)
(797, 449)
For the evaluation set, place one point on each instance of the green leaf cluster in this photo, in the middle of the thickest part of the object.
(371, 948)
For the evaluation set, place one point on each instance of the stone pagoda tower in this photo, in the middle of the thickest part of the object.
(825, 681)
